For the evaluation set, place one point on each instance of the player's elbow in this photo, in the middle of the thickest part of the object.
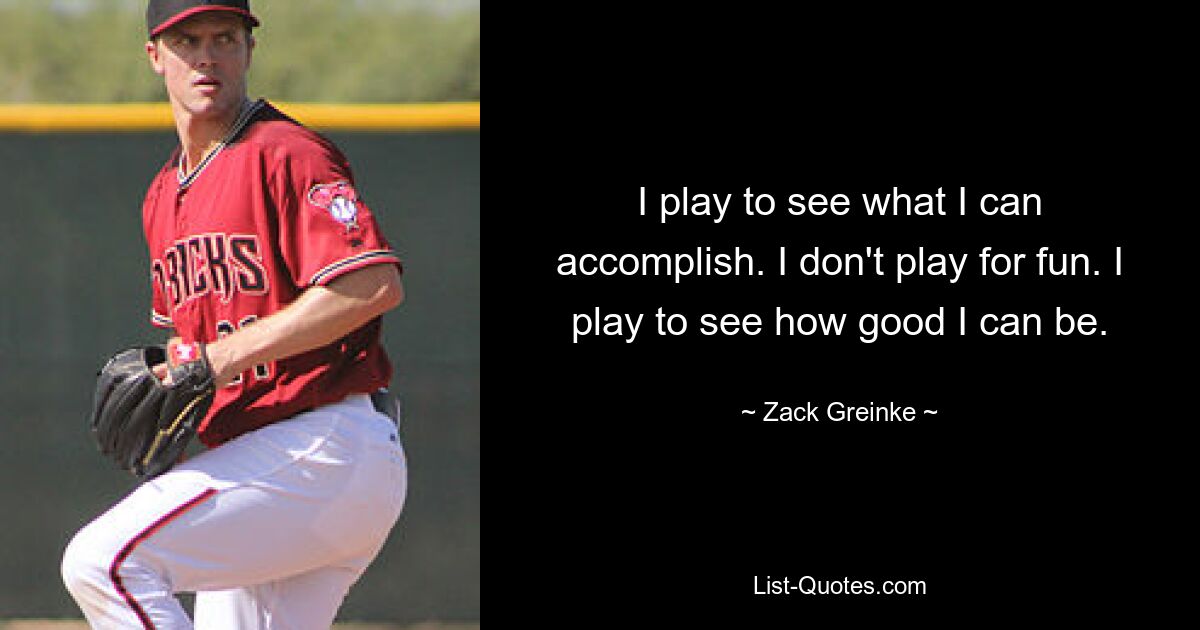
(371, 291)
(391, 294)
(389, 291)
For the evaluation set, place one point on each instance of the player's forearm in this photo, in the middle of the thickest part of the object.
(318, 317)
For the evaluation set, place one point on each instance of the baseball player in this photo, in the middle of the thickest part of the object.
(266, 261)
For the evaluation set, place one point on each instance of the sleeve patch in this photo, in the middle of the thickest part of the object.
(340, 200)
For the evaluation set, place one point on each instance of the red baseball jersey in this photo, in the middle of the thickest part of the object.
(272, 211)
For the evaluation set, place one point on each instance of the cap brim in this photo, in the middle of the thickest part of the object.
(183, 15)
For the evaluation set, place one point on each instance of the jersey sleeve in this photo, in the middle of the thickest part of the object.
(159, 310)
(325, 228)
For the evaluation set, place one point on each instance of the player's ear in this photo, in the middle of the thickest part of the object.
(153, 53)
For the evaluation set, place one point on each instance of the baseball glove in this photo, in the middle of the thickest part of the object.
(141, 423)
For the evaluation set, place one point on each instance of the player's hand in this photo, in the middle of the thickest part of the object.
(163, 370)
(162, 373)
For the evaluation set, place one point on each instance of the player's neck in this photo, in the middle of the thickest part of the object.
(200, 136)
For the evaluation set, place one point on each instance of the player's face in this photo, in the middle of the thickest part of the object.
(203, 61)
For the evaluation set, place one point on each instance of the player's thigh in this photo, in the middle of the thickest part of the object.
(196, 537)
(165, 508)
(303, 602)
(329, 507)
(252, 511)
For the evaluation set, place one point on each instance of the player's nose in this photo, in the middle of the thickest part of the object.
(205, 54)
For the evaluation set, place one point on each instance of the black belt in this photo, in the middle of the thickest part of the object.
(386, 404)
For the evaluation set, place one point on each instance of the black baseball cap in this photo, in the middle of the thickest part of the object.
(163, 14)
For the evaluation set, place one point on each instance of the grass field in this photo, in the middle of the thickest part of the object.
(79, 625)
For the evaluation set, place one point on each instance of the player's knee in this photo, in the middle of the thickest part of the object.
(85, 566)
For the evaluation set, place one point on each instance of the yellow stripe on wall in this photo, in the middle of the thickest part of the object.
(401, 117)
(157, 116)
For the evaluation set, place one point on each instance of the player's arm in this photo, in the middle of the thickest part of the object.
(320, 316)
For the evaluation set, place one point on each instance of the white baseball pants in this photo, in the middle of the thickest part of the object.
(270, 529)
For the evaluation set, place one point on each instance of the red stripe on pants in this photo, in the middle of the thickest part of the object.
(113, 571)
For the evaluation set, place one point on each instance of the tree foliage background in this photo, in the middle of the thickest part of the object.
(91, 51)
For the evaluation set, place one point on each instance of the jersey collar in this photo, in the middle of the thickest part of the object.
(248, 111)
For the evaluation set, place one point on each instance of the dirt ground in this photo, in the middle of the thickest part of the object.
(79, 625)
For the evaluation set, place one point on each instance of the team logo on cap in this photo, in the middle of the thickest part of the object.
(339, 199)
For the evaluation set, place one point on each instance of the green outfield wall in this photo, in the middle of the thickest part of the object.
(76, 287)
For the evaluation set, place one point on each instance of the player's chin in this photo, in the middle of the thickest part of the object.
(208, 105)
